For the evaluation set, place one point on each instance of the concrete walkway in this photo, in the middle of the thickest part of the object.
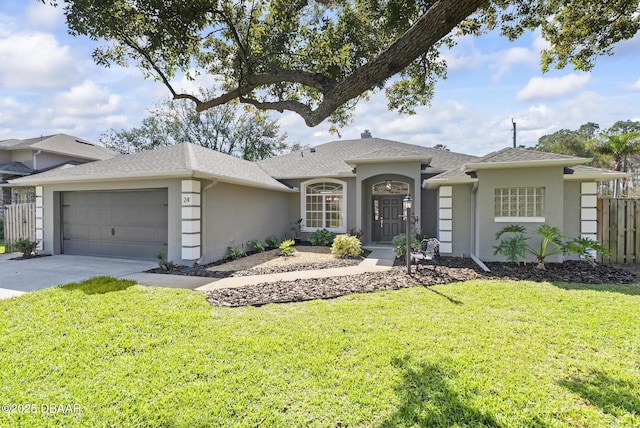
(380, 260)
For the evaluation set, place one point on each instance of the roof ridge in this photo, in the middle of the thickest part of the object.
(189, 161)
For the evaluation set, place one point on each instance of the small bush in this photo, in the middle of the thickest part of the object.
(286, 248)
(346, 246)
(233, 253)
(357, 232)
(399, 243)
(322, 237)
(257, 245)
(272, 242)
(1, 229)
(164, 264)
(25, 246)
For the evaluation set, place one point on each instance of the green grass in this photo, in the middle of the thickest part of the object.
(1, 246)
(480, 353)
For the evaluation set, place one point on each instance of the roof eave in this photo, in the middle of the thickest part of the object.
(526, 164)
(596, 176)
(34, 181)
(434, 183)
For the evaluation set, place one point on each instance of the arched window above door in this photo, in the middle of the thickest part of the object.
(390, 187)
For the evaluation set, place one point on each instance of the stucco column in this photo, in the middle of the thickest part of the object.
(191, 221)
(445, 219)
(589, 211)
(39, 218)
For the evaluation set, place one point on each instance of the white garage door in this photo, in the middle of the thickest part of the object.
(131, 224)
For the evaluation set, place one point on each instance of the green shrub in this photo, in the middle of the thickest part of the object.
(257, 245)
(287, 248)
(399, 243)
(1, 229)
(163, 262)
(322, 237)
(346, 246)
(25, 246)
(233, 253)
(272, 242)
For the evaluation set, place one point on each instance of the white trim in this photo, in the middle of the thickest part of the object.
(445, 236)
(445, 225)
(190, 186)
(445, 191)
(303, 205)
(190, 253)
(588, 188)
(519, 219)
(588, 226)
(589, 213)
(191, 240)
(446, 247)
(445, 213)
(190, 199)
(190, 226)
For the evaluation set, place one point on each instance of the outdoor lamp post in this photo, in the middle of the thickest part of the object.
(406, 204)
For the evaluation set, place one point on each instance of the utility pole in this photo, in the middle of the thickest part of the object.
(514, 133)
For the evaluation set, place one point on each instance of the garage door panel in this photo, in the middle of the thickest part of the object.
(119, 223)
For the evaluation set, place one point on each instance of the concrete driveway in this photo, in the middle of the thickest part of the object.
(20, 276)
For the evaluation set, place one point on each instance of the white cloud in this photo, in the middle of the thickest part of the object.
(35, 60)
(463, 56)
(87, 99)
(553, 87)
(635, 86)
(44, 16)
(506, 59)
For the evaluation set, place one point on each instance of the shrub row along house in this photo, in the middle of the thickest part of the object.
(192, 202)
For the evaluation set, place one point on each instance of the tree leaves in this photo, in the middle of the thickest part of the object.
(318, 58)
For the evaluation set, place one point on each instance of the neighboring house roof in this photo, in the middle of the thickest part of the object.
(15, 168)
(61, 144)
(334, 158)
(514, 157)
(181, 160)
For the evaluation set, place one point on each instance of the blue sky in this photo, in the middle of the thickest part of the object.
(49, 84)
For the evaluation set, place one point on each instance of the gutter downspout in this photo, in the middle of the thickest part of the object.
(35, 159)
(474, 228)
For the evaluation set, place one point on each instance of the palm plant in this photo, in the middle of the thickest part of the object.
(514, 247)
(619, 147)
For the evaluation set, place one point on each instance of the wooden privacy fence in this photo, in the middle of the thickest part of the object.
(619, 229)
(19, 222)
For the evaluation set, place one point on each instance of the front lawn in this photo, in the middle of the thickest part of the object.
(477, 353)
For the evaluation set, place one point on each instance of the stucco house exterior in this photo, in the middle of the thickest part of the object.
(19, 158)
(192, 203)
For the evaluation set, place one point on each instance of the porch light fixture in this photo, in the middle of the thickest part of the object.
(407, 202)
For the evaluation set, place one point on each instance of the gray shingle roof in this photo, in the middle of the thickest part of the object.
(15, 168)
(330, 159)
(510, 154)
(60, 144)
(179, 160)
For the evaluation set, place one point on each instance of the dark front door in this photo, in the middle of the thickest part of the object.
(387, 218)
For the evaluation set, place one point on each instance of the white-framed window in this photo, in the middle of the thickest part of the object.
(525, 204)
(323, 205)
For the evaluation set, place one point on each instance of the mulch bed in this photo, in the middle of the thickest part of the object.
(449, 269)
(209, 270)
